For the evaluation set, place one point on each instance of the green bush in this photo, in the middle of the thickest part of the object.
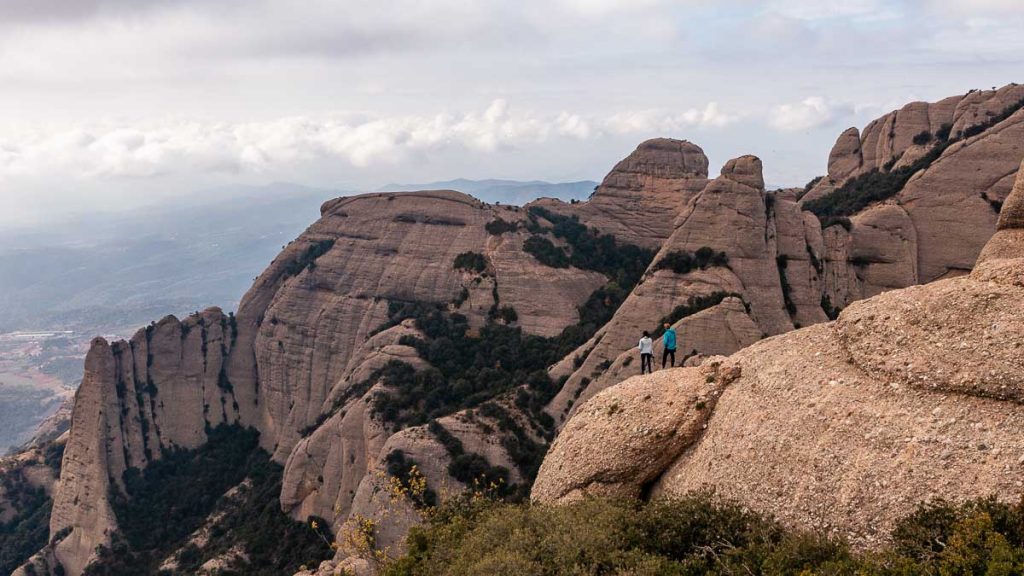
(922, 138)
(471, 262)
(498, 227)
(546, 252)
(695, 535)
(682, 262)
(781, 263)
(307, 259)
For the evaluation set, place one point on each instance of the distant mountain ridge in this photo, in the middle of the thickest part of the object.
(496, 191)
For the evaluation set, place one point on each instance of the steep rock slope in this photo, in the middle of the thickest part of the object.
(299, 360)
(911, 395)
(917, 191)
(768, 261)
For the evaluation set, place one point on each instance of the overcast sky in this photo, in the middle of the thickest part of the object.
(116, 103)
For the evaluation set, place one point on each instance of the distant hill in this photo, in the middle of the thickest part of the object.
(505, 191)
(109, 271)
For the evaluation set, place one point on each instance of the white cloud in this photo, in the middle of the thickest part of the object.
(666, 122)
(811, 112)
(114, 150)
(813, 10)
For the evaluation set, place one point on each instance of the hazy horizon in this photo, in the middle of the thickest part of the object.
(110, 104)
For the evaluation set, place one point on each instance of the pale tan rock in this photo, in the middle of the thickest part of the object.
(846, 427)
(638, 201)
(641, 426)
(845, 158)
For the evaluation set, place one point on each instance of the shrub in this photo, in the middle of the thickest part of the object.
(307, 259)
(546, 252)
(696, 534)
(682, 262)
(922, 138)
(471, 262)
(781, 262)
(498, 227)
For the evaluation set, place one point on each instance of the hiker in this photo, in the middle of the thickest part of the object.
(669, 340)
(646, 354)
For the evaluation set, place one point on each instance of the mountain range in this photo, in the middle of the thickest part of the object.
(849, 352)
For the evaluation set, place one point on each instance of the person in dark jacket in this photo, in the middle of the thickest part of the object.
(669, 340)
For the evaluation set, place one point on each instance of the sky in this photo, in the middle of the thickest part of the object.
(115, 104)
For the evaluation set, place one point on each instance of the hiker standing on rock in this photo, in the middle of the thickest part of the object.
(669, 340)
(646, 354)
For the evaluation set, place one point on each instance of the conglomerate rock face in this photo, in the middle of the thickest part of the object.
(912, 395)
(300, 359)
(936, 225)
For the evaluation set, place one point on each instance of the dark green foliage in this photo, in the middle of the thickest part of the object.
(499, 226)
(831, 311)
(810, 185)
(699, 535)
(307, 259)
(694, 305)
(682, 262)
(53, 455)
(546, 252)
(526, 453)
(781, 261)
(164, 504)
(877, 185)
(922, 138)
(590, 250)
(28, 530)
(972, 131)
(997, 205)
(470, 468)
(942, 133)
(400, 466)
(505, 314)
(471, 262)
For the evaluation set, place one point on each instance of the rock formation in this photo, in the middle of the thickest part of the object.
(935, 225)
(911, 395)
(301, 361)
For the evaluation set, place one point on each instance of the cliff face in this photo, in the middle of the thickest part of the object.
(305, 357)
(911, 395)
(935, 224)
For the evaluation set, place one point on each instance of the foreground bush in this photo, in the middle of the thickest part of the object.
(699, 534)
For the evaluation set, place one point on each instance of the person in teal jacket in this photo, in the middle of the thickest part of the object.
(669, 340)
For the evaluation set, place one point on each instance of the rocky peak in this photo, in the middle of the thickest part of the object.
(745, 170)
(638, 201)
(845, 157)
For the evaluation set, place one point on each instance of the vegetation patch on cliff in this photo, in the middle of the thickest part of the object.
(700, 534)
(471, 262)
(28, 528)
(468, 370)
(682, 262)
(877, 185)
(163, 505)
(694, 305)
